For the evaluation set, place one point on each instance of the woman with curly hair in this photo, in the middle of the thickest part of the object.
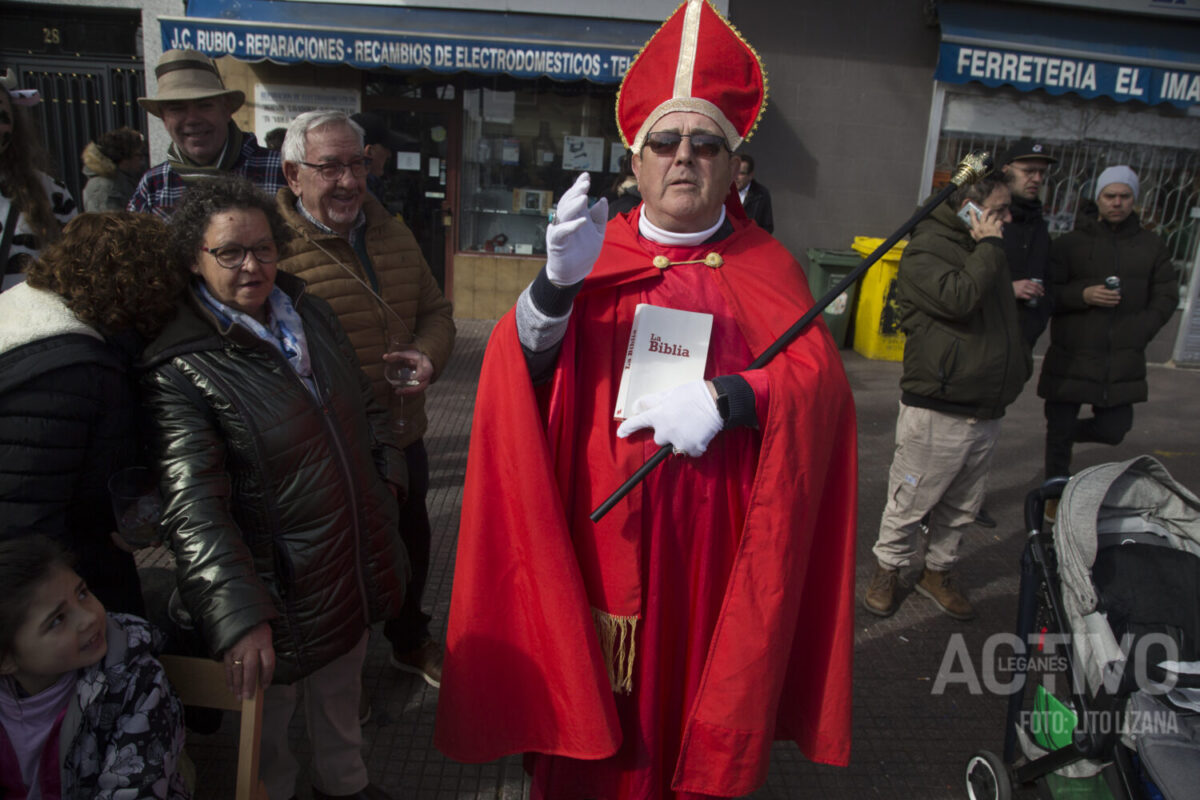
(69, 416)
(113, 164)
(33, 206)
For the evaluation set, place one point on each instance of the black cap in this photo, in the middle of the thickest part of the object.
(376, 131)
(1025, 148)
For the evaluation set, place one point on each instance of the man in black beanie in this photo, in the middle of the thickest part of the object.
(1027, 238)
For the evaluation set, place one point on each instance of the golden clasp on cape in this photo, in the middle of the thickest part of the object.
(713, 260)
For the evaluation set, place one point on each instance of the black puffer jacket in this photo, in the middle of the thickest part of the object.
(68, 416)
(1098, 355)
(963, 352)
(277, 504)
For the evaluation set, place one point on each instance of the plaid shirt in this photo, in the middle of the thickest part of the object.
(161, 188)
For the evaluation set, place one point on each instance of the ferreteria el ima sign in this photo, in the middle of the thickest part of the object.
(371, 49)
(1058, 75)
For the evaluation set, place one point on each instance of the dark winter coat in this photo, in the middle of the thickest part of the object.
(277, 503)
(68, 420)
(1027, 246)
(108, 188)
(403, 280)
(758, 206)
(1098, 355)
(627, 198)
(963, 352)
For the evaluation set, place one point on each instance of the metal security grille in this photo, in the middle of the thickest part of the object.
(80, 101)
(1169, 185)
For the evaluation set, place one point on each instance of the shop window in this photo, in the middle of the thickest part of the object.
(523, 146)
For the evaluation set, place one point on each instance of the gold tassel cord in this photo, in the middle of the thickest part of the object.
(618, 648)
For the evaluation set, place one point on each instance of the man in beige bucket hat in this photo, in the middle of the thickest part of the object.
(197, 111)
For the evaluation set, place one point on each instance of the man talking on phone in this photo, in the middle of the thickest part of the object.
(964, 362)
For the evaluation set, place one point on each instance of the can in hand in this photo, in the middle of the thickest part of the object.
(1033, 301)
(1112, 282)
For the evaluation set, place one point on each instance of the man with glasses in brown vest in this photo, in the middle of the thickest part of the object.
(368, 265)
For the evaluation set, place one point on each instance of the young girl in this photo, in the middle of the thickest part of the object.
(86, 709)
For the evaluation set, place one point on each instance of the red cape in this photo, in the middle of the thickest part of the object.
(523, 670)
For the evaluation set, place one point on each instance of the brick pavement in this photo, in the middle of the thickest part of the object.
(907, 742)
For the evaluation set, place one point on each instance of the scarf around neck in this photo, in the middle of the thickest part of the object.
(191, 172)
(284, 329)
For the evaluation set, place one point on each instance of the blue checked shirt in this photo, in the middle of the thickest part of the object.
(161, 188)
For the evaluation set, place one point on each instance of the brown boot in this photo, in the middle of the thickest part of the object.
(942, 588)
(880, 598)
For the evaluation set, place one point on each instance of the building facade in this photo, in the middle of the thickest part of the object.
(871, 103)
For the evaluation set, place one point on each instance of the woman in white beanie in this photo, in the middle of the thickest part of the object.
(1114, 287)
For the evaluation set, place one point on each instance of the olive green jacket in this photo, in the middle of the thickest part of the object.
(278, 504)
(963, 352)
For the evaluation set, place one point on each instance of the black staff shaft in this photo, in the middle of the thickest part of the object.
(787, 337)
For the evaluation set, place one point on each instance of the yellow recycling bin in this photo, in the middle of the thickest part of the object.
(877, 331)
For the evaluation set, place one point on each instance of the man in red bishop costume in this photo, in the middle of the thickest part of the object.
(659, 651)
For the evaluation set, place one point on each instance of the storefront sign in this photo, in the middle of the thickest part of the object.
(286, 44)
(277, 106)
(958, 63)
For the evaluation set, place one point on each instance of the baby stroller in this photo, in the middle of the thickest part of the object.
(1116, 587)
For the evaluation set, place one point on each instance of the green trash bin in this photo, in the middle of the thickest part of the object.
(829, 267)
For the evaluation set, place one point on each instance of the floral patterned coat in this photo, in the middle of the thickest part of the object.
(122, 734)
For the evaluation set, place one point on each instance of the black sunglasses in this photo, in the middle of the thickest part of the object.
(704, 145)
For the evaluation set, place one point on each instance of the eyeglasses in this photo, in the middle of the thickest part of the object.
(704, 145)
(333, 170)
(232, 256)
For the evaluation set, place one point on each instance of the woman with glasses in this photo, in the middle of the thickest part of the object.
(280, 483)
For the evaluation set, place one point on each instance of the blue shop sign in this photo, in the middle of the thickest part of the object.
(1058, 75)
(595, 52)
(1059, 50)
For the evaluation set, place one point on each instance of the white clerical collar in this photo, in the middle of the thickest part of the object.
(671, 239)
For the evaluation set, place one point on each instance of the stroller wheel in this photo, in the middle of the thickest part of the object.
(988, 777)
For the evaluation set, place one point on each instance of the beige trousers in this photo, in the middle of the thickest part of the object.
(940, 468)
(330, 699)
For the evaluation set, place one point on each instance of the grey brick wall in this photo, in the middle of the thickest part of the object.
(841, 144)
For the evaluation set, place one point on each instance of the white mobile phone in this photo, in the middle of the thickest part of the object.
(965, 215)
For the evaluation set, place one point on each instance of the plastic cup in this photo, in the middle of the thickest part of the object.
(137, 505)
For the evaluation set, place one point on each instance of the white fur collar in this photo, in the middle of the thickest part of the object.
(28, 315)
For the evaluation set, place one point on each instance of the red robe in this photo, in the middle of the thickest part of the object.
(717, 556)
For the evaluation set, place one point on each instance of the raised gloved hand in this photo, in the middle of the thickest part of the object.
(573, 240)
(685, 417)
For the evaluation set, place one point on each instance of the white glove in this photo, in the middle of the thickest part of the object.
(573, 240)
(685, 417)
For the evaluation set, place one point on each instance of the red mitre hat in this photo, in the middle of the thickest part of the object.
(696, 62)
